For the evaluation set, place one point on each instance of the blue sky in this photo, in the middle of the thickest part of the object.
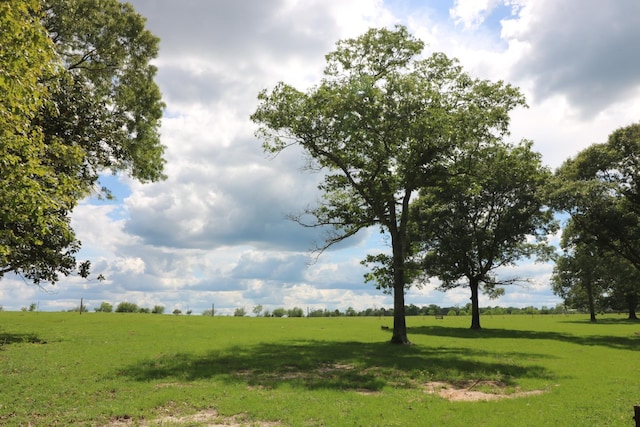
(216, 231)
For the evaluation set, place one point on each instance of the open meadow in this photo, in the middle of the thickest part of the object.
(114, 369)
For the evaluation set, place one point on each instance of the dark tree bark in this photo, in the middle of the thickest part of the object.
(474, 284)
(632, 303)
(592, 306)
(399, 319)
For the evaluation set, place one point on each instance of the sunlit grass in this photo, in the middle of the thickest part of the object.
(66, 368)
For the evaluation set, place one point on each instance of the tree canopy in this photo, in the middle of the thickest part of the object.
(78, 100)
(599, 188)
(382, 124)
(35, 235)
(107, 100)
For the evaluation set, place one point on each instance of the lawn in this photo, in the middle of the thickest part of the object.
(113, 369)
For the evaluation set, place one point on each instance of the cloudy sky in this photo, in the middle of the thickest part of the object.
(216, 231)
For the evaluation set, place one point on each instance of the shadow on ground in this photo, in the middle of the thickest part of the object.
(623, 343)
(9, 338)
(605, 321)
(336, 365)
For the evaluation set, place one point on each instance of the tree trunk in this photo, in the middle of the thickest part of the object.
(632, 303)
(632, 314)
(592, 306)
(399, 319)
(475, 305)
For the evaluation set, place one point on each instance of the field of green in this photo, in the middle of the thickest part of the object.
(113, 369)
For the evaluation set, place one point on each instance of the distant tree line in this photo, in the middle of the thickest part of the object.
(129, 307)
(410, 310)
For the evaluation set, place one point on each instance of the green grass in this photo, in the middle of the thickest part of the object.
(96, 368)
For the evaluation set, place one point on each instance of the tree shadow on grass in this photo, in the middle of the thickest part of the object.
(616, 342)
(605, 321)
(335, 365)
(9, 338)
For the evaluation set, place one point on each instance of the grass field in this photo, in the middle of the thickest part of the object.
(112, 369)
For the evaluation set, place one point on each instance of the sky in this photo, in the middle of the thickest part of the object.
(216, 231)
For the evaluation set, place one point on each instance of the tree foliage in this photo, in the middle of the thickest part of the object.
(488, 212)
(105, 307)
(35, 235)
(579, 276)
(600, 189)
(78, 99)
(592, 278)
(107, 101)
(381, 124)
(127, 307)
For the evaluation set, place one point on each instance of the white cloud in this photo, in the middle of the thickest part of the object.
(129, 265)
(471, 13)
(579, 49)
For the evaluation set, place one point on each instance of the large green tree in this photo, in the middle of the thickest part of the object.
(382, 124)
(600, 189)
(78, 100)
(489, 212)
(36, 238)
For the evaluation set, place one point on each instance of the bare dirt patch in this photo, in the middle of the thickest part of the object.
(207, 418)
(210, 418)
(467, 391)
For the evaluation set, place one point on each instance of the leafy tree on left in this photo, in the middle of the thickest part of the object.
(78, 100)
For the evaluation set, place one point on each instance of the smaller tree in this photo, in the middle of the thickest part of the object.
(278, 312)
(177, 312)
(295, 312)
(158, 309)
(488, 213)
(594, 277)
(105, 307)
(578, 276)
(127, 307)
(240, 312)
(623, 293)
(257, 309)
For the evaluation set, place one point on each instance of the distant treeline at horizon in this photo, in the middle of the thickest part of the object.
(411, 310)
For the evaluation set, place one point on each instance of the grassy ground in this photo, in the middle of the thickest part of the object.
(118, 369)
